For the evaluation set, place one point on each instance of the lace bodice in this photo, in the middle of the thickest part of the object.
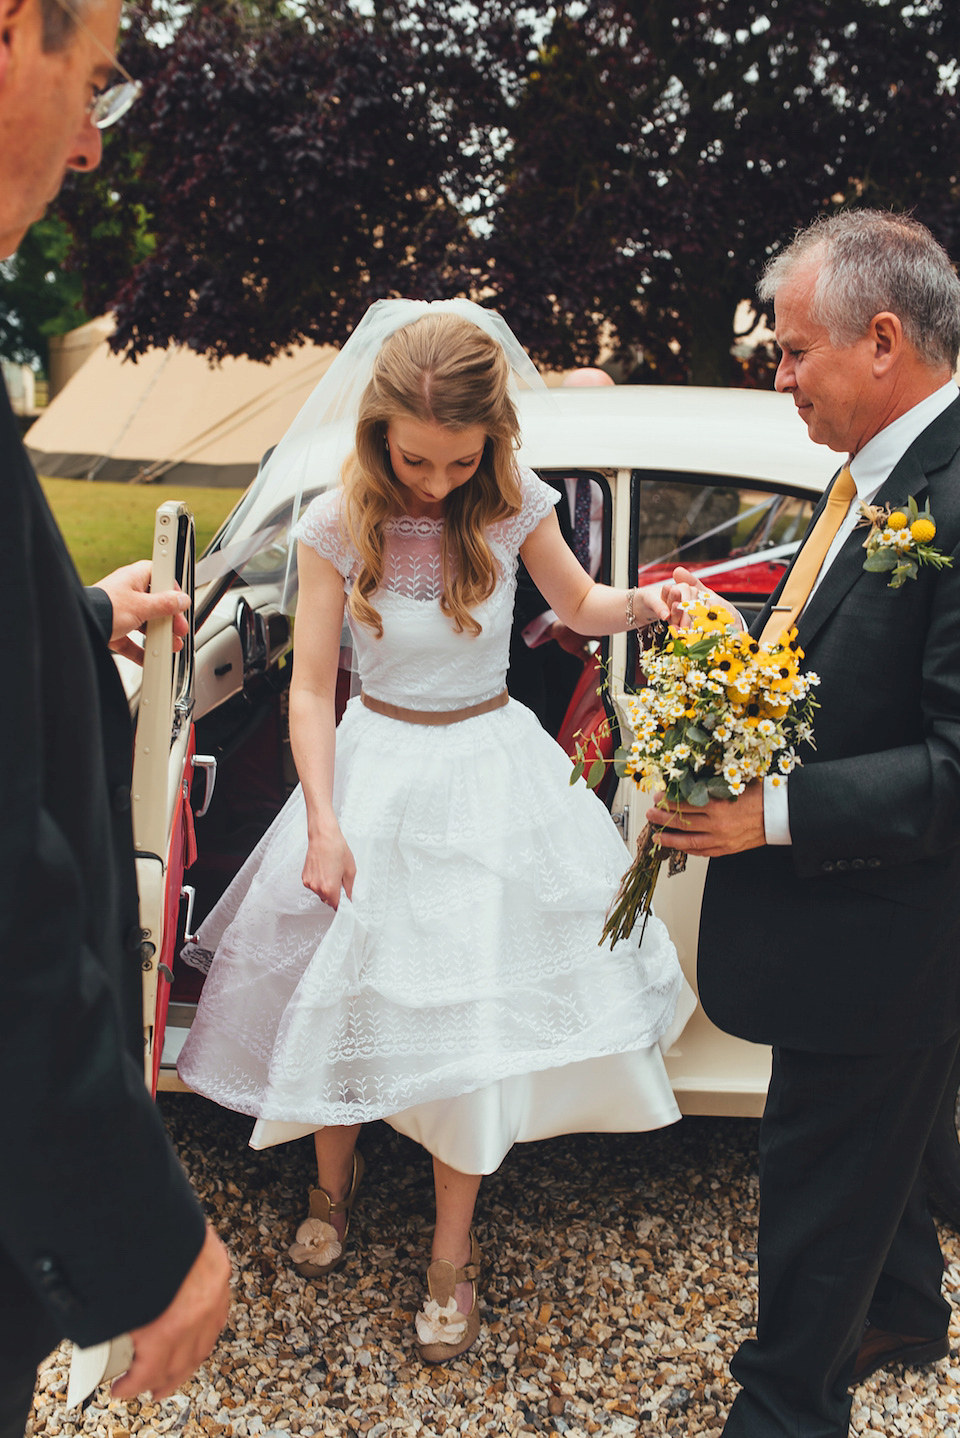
(422, 662)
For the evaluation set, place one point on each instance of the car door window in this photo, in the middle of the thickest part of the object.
(738, 534)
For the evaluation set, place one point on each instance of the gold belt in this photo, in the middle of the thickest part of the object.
(427, 716)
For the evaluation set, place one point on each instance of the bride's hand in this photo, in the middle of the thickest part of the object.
(663, 602)
(685, 587)
(329, 867)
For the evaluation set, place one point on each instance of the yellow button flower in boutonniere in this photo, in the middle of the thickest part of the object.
(900, 540)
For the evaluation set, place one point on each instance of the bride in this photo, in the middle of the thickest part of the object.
(416, 936)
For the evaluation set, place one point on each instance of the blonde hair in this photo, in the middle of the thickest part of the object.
(446, 371)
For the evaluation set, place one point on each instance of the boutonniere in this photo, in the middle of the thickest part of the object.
(900, 540)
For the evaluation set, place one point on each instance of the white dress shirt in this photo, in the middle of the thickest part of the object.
(871, 467)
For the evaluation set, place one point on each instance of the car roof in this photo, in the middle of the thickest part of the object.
(750, 435)
(746, 433)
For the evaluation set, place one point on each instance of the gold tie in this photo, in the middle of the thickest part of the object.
(813, 552)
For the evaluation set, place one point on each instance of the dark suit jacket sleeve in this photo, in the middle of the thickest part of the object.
(101, 610)
(884, 789)
(530, 603)
(95, 1209)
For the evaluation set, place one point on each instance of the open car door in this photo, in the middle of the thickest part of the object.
(163, 766)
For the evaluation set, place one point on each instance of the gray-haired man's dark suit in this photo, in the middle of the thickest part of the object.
(98, 1225)
(843, 951)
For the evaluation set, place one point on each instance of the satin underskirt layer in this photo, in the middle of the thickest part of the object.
(473, 1132)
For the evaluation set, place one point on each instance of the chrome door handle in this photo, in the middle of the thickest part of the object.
(208, 764)
(189, 893)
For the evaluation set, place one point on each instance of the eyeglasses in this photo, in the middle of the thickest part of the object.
(109, 105)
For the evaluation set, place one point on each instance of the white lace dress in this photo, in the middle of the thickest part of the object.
(461, 994)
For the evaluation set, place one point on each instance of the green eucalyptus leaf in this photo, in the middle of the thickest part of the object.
(703, 648)
(596, 772)
(699, 793)
(881, 561)
(577, 771)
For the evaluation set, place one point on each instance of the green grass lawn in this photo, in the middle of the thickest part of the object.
(106, 525)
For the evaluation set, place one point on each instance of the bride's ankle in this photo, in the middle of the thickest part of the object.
(337, 1187)
(457, 1253)
(336, 1182)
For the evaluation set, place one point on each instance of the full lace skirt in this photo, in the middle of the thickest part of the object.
(467, 962)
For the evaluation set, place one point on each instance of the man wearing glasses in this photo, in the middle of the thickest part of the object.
(100, 1233)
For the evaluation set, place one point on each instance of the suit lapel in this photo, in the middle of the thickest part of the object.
(563, 510)
(931, 450)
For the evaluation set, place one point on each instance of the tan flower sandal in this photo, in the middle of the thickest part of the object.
(443, 1332)
(318, 1249)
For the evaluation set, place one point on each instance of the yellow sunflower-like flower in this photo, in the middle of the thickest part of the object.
(708, 618)
(726, 669)
(782, 680)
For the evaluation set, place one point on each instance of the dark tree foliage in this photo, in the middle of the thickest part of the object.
(292, 170)
(664, 147)
(609, 173)
(38, 298)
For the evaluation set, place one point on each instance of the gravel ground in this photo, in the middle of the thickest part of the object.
(619, 1278)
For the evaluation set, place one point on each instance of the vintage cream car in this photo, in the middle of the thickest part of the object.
(721, 480)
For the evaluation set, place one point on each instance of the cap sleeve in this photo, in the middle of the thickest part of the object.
(537, 499)
(319, 526)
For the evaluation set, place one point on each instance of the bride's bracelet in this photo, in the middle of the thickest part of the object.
(632, 621)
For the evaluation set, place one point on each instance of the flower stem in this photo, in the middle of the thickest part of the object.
(635, 894)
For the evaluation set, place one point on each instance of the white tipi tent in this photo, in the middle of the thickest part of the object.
(172, 416)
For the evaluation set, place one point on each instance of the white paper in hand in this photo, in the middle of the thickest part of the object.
(92, 1366)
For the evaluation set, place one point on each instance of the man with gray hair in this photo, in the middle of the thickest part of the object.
(832, 904)
(100, 1233)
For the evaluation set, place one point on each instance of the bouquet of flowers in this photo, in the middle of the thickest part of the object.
(900, 540)
(718, 710)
